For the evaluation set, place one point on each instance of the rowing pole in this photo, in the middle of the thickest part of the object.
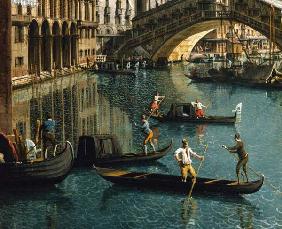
(193, 184)
(259, 175)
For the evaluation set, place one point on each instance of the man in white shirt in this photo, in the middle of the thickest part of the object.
(199, 108)
(183, 157)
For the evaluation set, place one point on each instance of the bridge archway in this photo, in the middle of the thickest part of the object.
(160, 40)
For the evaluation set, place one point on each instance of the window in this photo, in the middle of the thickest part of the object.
(19, 34)
(85, 52)
(20, 9)
(28, 10)
(93, 33)
(80, 53)
(19, 61)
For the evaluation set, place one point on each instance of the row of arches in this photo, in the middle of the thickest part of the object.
(74, 9)
(51, 47)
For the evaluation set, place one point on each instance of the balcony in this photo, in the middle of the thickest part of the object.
(21, 20)
(87, 24)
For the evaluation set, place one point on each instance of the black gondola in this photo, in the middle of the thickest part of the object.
(173, 183)
(184, 112)
(105, 150)
(263, 76)
(46, 172)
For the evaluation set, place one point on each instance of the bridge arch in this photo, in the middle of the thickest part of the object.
(165, 38)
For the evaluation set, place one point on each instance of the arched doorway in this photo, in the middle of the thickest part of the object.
(45, 47)
(33, 48)
(66, 45)
(73, 34)
(57, 50)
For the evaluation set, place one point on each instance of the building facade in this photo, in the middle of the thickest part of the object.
(113, 18)
(52, 35)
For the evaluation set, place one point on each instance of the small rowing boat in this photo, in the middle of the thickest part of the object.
(105, 150)
(49, 171)
(173, 183)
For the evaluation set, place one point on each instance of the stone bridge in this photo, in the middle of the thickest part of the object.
(157, 32)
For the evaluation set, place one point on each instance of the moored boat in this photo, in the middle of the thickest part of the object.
(250, 75)
(184, 112)
(104, 150)
(49, 171)
(173, 183)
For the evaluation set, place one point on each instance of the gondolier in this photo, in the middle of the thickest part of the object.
(183, 157)
(155, 104)
(198, 109)
(242, 154)
(148, 134)
(48, 132)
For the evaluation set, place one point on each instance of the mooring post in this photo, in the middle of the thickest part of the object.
(5, 67)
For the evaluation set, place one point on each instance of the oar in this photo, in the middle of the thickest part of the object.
(259, 175)
(193, 184)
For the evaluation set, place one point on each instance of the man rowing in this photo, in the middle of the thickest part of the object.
(242, 154)
(198, 109)
(148, 134)
(155, 104)
(183, 157)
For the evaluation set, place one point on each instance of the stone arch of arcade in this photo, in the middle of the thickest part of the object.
(51, 45)
(66, 44)
(73, 43)
(57, 50)
(33, 47)
(46, 39)
(159, 31)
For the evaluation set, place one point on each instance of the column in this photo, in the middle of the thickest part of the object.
(5, 67)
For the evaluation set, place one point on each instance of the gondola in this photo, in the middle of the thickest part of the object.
(173, 183)
(47, 172)
(264, 76)
(184, 112)
(104, 149)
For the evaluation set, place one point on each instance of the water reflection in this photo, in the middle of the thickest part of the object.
(200, 133)
(77, 107)
(43, 206)
(189, 211)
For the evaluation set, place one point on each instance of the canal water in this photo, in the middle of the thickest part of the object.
(88, 104)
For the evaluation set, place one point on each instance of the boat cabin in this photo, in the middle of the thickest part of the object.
(181, 110)
(100, 146)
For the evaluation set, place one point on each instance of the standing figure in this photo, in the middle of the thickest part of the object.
(183, 157)
(242, 154)
(199, 109)
(48, 133)
(148, 134)
(155, 104)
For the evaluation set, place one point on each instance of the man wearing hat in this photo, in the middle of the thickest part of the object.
(242, 154)
(183, 157)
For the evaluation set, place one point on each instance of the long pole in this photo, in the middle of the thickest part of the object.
(193, 184)
(5, 67)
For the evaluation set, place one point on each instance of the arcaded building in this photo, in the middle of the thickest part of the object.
(52, 35)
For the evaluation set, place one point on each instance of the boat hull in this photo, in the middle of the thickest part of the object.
(134, 158)
(173, 183)
(50, 171)
(207, 119)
